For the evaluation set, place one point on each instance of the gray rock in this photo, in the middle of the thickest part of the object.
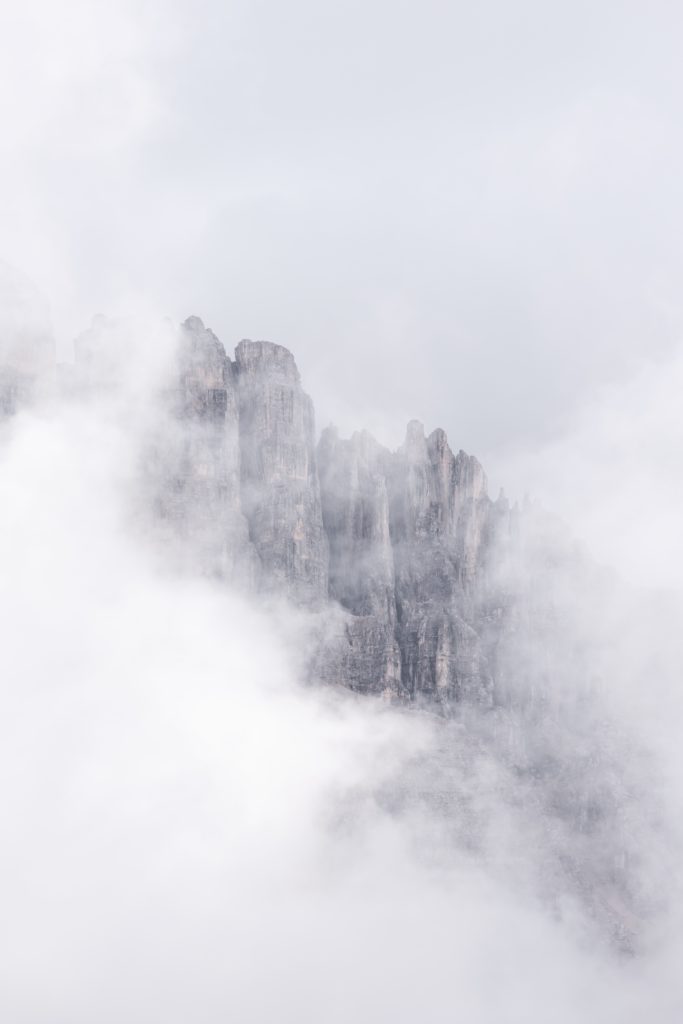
(439, 516)
(401, 551)
(280, 488)
(365, 654)
(406, 533)
(200, 486)
(425, 591)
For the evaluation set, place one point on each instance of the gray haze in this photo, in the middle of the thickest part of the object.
(190, 833)
(480, 202)
(464, 213)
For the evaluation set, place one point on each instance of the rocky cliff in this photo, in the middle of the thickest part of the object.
(409, 533)
(392, 548)
(417, 586)
(279, 478)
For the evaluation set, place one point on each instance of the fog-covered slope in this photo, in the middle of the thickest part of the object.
(407, 583)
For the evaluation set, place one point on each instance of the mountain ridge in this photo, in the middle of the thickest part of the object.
(415, 586)
(402, 546)
(398, 541)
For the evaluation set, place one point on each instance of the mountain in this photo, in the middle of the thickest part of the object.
(413, 572)
(417, 588)
(400, 544)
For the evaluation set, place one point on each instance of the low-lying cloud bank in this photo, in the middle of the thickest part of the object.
(190, 833)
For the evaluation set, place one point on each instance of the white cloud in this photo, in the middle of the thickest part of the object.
(189, 832)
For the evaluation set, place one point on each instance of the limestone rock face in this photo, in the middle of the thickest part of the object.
(439, 514)
(393, 548)
(406, 534)
(202, 492)
(356, 518)
(423, 590)
(279, 479)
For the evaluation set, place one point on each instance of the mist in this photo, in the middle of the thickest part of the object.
(191, 829)
(466, 216)
(478, 207)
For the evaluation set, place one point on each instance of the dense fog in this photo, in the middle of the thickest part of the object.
(467, 215)
(193, 829)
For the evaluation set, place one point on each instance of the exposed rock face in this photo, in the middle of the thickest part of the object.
(202, 492)
(280, 488)
(228, 461)
(427, 591)
(406, 533)
(394, 547)
(353, 475)
(440, 513)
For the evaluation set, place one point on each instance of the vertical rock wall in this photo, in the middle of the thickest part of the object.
(355, 500)
(279, 479)
(407, 532)
(393, 547)
(203, 492)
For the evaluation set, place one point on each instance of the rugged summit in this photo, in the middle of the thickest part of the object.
(280, 486)
(417, 586)
(393, 546)
(199, 456)
(408, 538)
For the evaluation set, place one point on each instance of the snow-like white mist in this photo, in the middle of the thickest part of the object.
(467, 213)
(191, 833)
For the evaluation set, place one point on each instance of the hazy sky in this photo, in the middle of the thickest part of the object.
(468, 213)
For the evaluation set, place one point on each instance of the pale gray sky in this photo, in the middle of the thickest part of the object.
(468, 213)
(464, 212)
